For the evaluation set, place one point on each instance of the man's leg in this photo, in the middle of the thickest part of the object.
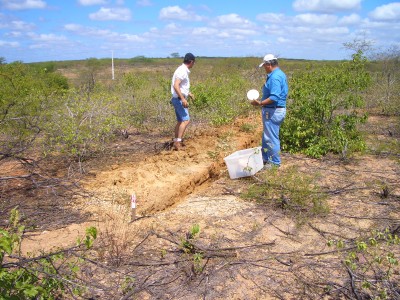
(180, 129)
(183, 118)
(266, 142)
(271, 145)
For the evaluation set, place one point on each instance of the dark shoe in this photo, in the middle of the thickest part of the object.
(177, 146)
(269, 166)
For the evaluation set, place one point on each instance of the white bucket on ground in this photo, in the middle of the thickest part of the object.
(244, 163)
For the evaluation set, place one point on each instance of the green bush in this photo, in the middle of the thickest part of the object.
(26, 103)
(293, 191)
(42, 277)
(83, 122)
(373, 260)
(219, 99)
(323, 111)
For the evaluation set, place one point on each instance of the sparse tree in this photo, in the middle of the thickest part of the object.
(387, 79)
(360, 45)
(93, 65)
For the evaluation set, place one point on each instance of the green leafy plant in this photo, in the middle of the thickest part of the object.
(83, 124)
(40, 277)
(188, 247)
(371, 263)
(324, 111)
(26, 103)
(220, 98)
(290, 190)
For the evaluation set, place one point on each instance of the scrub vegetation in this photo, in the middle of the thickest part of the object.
(67, 113)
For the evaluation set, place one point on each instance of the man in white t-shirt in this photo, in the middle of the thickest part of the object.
(180, 89)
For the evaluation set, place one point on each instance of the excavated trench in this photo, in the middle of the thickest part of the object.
(162, 180)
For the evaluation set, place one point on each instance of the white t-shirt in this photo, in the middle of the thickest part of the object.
(182, 73)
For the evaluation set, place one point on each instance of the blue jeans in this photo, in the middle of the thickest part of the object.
(271, 145)
(182, 113)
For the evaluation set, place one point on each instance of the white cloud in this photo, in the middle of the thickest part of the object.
(172, 27)
(131, 38)
(46, 41)
(87, 31)
(300, 30)
(388, 12)
(230, 26)
(39, 46)
(17, 25)
(271, 18)
(91, 2)
(352, 19)
(327, 6)
(46, 37)
(14, 34)
(273, 29)
(23, 4)
(8, 44)
(283, 40)
(260, 44)
(177, 13)
(204, 31)
(313, 19)
(102, 33)
(243, 32)
(224, 35)
(72, 27)
(332, 31)
(233, 20)
(21, 25)
(110, 14)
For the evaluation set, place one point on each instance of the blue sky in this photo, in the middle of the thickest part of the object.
(44, 30)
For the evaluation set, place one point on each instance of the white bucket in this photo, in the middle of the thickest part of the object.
(244, 163)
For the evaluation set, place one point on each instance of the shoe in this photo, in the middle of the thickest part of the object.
(269, 166)
(177, 146)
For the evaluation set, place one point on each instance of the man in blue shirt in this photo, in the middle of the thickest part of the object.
(273, 107)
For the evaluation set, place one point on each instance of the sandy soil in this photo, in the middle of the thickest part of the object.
(250, 250)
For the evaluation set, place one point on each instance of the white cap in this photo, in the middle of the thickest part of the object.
(267, 58)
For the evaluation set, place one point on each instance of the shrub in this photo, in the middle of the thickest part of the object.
(291, 190)
(82, 123)
(26, 101)
(323, 110)
(373, 261)
(41, 277)
(220, 99)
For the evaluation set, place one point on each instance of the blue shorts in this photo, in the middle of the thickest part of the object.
(182, 113)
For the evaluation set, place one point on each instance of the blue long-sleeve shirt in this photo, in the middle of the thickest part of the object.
(276, 88)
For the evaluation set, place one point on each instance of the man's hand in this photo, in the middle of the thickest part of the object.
(191, 96)
(185, 103)
(255, 103)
